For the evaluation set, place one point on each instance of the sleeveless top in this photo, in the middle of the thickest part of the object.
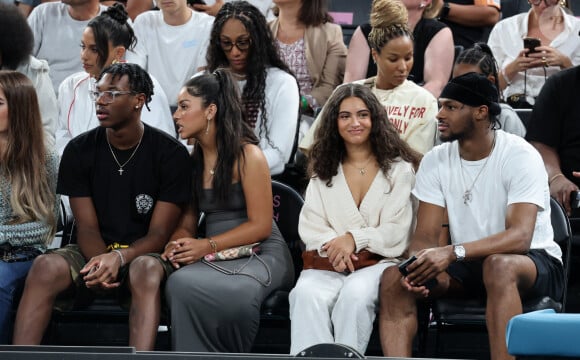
(423, 33)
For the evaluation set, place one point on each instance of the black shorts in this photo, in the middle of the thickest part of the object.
(549, 280)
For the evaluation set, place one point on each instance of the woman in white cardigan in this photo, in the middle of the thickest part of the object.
(358, 198)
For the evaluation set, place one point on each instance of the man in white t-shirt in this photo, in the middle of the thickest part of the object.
(171, 44)
(57, 28)
(494, 188)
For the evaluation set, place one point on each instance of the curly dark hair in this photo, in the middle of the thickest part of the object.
(232, 132)
(16, 37)
(139, 79)
(261, 55)
(328, 149)
(112, 26)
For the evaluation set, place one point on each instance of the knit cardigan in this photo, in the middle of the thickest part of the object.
(382, 224)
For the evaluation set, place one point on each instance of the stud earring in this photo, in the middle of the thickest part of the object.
(137, 107)
(421, 6)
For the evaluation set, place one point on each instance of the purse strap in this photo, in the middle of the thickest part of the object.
(223, 270)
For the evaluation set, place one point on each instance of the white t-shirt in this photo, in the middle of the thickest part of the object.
(171, 53)
(57, 39)
(513, 173)
(77, 113)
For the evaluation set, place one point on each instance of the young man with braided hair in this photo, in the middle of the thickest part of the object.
(495, 190)
(127, 183)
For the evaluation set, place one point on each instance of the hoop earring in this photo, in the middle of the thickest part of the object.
(207, 128)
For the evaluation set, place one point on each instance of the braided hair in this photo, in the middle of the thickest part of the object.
(139, 80)
(112, 26)
(261, 55)
(388, 20)
(481, 56)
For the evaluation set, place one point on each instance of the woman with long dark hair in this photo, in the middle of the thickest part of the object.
(358, 205)
(215, 305)
(242, 41)
(28, 203)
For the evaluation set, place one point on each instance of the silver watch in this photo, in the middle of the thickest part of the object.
(459, 252)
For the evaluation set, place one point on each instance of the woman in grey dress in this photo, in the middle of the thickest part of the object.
(215, 305)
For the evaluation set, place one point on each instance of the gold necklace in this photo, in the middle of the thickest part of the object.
(361, 170)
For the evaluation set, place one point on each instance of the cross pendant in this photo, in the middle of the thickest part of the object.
(120, 171)
(362, 171)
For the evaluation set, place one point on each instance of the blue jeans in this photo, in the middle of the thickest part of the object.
(12, 276)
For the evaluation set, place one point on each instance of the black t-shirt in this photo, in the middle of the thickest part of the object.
(423, 33)
(158, 171)
(555, 120)
(466, 36)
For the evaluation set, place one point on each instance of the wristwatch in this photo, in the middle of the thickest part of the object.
(459, 252)
(444, 10)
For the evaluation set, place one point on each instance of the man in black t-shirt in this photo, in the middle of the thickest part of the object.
(554, 129)
(470, 20)
(127, 183)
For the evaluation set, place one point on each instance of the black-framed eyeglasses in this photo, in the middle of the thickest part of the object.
(108, 96)
(241, 44)
(548, 2)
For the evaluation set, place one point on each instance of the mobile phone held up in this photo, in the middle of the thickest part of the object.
(403, 270)
(531, 44)
(196, 2)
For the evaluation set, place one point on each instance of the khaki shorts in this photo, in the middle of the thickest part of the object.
(78, 295)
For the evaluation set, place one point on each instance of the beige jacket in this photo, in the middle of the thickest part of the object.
(325, 56)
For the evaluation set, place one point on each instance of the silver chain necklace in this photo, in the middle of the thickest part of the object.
(130, 157)
(468, 194)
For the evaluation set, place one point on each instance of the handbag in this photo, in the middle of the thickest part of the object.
(234, 253)
(313, 260)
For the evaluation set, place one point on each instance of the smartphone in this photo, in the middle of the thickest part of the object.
(403, 266)
(403, 270)
(575, 199)
(195, 2)
(531, 44)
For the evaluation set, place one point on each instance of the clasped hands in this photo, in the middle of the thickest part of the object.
(101, 271)
(430, 263)
(340, 251)
(185, 251)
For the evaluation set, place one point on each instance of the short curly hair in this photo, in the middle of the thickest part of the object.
(16, 37)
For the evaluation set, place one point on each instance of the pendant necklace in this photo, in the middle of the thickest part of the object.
(362, 170)
(468, 194)
(121, 166)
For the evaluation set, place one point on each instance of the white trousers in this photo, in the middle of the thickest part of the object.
(330, 307)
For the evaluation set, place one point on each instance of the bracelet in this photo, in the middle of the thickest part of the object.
(213, 245)
(554, 178)
(505, 77)
(118, 252)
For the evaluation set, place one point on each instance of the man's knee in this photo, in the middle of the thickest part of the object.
(145, 273)
(499, 271)
(391, 282)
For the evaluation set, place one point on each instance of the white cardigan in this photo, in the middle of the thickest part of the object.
(383, 224)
